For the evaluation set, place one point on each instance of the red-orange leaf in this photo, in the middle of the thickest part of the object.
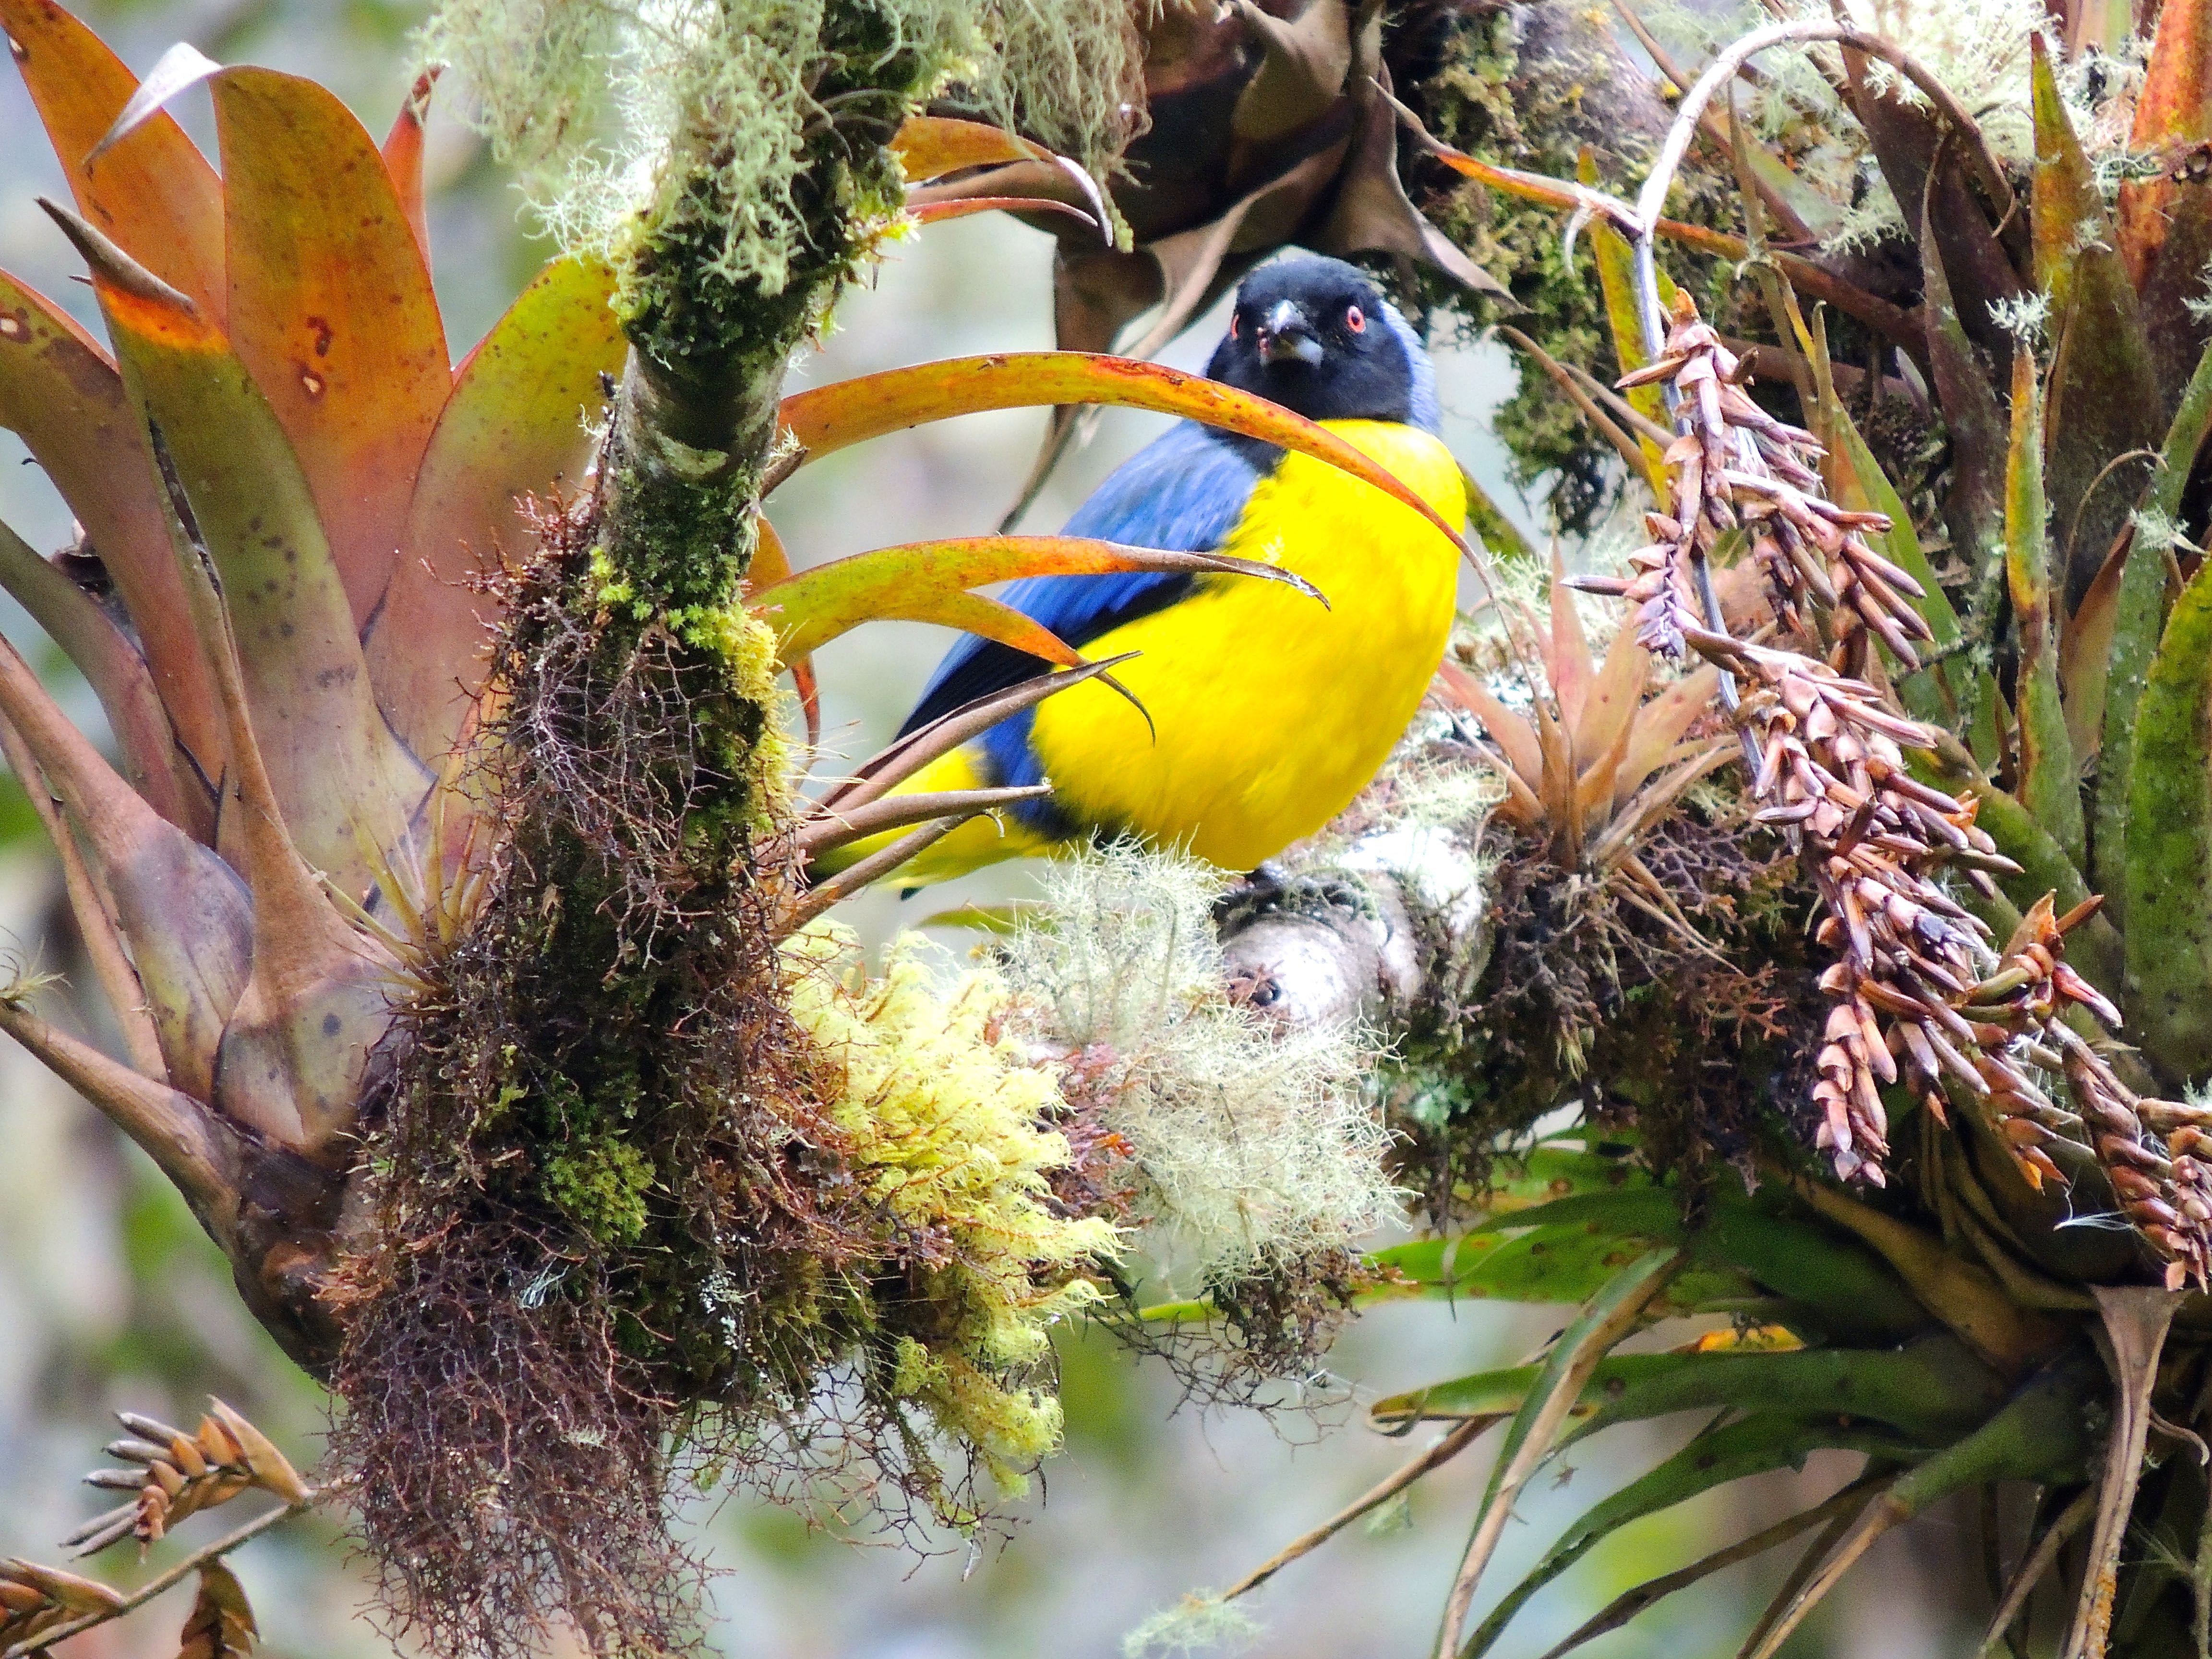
(2173, 111)
(59, 393)
(771, 565)
(159, 199)
(928, 581)
(930, 146)
(403, 158)
(930, 213)
(331, 309)
(515, 425)
(831, 417)
(336, 769)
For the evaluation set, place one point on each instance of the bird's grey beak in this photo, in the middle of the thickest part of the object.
(1285, 332)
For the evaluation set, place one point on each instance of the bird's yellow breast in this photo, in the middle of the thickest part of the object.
(1269, 711)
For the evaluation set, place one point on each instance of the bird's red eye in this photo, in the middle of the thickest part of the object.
(1355, 320)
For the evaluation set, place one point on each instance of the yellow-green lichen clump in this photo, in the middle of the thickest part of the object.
(945, 1117)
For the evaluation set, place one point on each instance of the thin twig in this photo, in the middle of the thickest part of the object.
(2135, 1321)
(1449, 1447)
(1626, 1606)
(1807, 1564)
(2071, 1519)
(169, 1580)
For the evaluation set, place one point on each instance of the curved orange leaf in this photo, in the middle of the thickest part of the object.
(930, 146)
(157, 198)
(331, 309)
(336, 768)
(832, 417)
(769, 566)
(513, 426)
(931, 213)
(403, 157)
(928, 581)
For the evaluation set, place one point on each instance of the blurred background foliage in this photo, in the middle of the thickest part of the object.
(110, 1298)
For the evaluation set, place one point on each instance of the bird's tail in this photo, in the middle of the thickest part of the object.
(981, 840)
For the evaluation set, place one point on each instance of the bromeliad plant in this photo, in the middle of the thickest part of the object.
(448, 890)
(1974, 737)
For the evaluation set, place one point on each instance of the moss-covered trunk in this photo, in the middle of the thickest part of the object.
(601, 1209)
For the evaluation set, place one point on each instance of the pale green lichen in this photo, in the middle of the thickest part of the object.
(1978, 49)
(611, 109)
(1198, 1624)
(2026, 317)
(945, 1114)
(1257, 1146)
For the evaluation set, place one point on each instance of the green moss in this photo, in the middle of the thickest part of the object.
(1484, 99)
(601, 1187)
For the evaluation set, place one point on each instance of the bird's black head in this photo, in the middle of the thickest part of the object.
(1316, 335)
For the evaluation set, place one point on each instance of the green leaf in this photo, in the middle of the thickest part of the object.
(1566, 1262)
(1555, 1169)
(1616, 276)
(1836, 1287)
(515, 425)
(1931, 1389)
(2140, 614)
(330, 310)
(829, 418)
(1733, 1451)
(928, 581)
(2050, 782)
(1608, 1316)
(337, 772)
(2043, 1434)
(2169, 845)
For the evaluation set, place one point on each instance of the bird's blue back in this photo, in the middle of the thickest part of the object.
(1182, 493)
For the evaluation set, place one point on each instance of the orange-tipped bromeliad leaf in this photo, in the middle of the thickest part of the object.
(403, 158)
(930, 146)
(335, 765)
(928, 581)
(771, 565)
(161, 203)
(515, 425)
(825, 419)
(2174, 114)
(2165, 222)
(331, 309)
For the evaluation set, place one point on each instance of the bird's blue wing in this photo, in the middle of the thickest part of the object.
(1183, 493)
